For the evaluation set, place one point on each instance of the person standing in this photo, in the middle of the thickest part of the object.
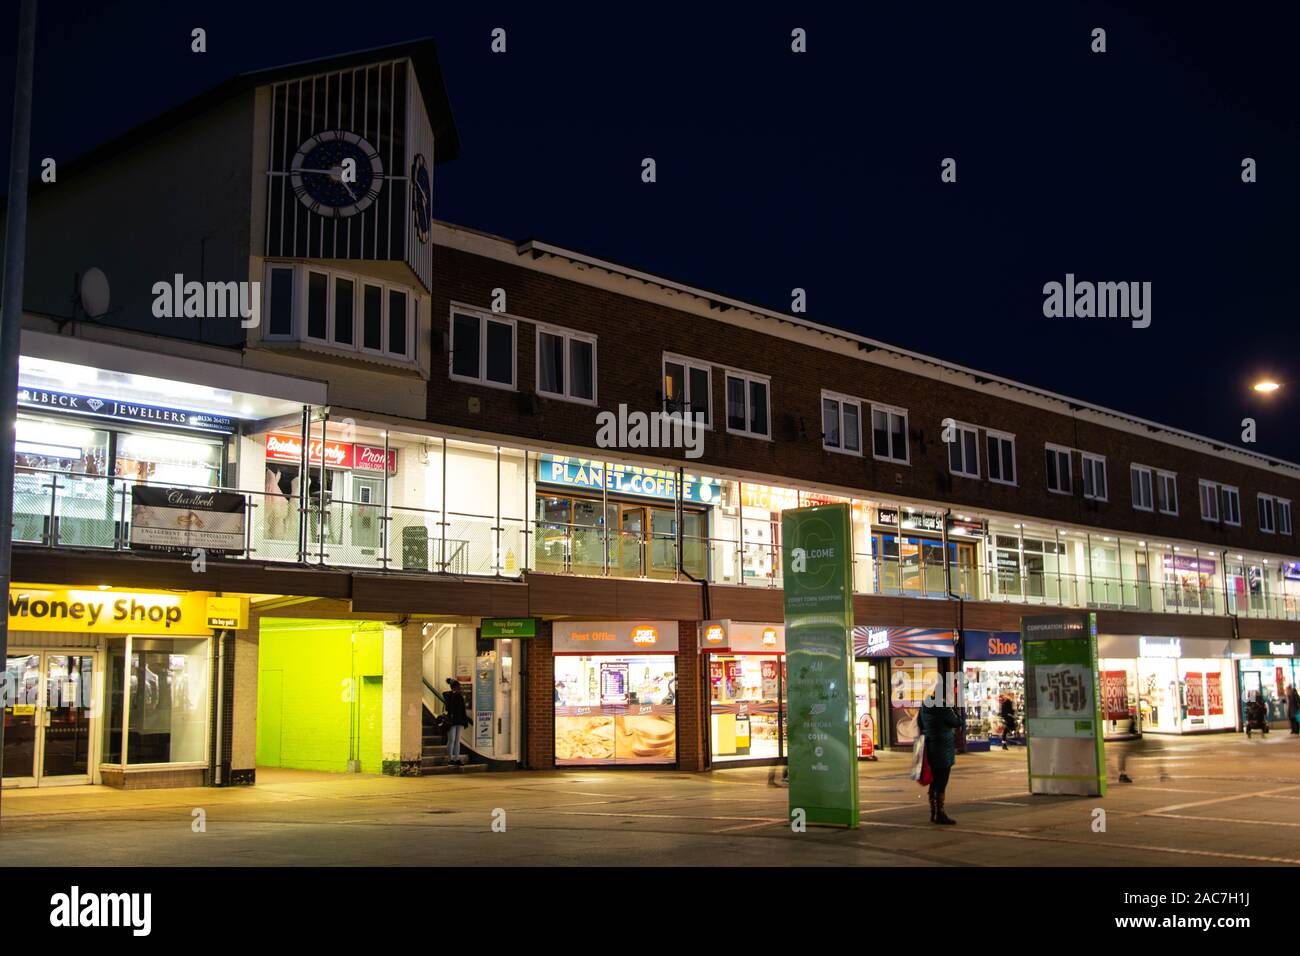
(1008, 714)
(939, 726)
(1293, 708)
(457, 718)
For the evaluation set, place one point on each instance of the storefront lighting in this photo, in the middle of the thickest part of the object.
(1142, 544)
(104, 587)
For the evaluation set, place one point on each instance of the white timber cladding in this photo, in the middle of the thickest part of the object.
(419, 142)
(575, 267)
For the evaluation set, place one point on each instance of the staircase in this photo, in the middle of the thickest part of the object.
(433, 756)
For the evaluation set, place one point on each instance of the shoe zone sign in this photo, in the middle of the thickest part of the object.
(815, 560)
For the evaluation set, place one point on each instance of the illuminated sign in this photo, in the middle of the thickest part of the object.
(94, 407)
(1160, 647)
(770, 637)
(230, 613)
(715, 634)
(626, 479)
(645, 635)
(991, 645)
(287, 447)
(1272, 648)
(613, 637)
(107, 612)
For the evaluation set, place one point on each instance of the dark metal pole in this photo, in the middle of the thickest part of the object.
(11, 320)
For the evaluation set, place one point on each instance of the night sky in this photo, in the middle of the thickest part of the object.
(821, 170)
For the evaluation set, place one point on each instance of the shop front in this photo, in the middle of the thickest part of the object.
(894, 670)
(108, 686)
(1166, 685)
(615, 693)
(1266, 674)
(745, 668)
(994, 669)
(915, 548)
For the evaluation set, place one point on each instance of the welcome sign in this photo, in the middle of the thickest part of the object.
(816, 561)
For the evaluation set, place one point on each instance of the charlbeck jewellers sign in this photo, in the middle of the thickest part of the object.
(167, 519)
(124, 411)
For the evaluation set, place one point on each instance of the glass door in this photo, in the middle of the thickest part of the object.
(365, 519)
(48, 717)
(631, 533)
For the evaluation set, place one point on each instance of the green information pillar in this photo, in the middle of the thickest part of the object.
(817, 567)
(1063, 727)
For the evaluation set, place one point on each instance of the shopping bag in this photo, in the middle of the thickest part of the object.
(927, 777)
(918, 758)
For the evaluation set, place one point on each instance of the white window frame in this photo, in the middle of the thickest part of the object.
(1161, 477)
(1135, 473)
(483, 316)
(841, 400)
(1061, 452)
(1086, 458)
(1260, 501)
(907, 452)
(299, 303)
(1236, 494)
(1202, 486)
(568, 335)
(688, 401)
(962, 428)
(1284, 509)
(1000, 437)
(747, 378)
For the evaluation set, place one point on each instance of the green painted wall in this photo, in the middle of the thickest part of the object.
(319, 684)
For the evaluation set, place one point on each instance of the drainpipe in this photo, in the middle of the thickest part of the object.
(959, 648)
(706, 604)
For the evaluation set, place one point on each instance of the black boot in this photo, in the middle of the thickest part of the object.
(939, 815)
(932, 804)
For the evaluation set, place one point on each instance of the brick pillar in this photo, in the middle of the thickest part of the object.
(243, 714)
(539, 708)
(402, 734)
(691, 706)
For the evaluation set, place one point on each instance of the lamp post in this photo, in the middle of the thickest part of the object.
(11, 318)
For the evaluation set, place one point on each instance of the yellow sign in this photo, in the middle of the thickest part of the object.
(228, 612)
(107, 612)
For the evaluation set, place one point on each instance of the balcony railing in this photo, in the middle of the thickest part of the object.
(57, 509)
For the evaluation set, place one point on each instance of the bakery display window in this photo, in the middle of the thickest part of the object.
(745, 693)
(615, 709)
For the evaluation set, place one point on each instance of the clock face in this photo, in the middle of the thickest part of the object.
(337, 173)
(421, 197)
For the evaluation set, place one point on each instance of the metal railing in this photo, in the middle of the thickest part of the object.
(58, 509)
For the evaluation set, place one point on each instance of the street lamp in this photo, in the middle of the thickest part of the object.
(1266, 386)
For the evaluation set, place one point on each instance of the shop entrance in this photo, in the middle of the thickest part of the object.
(631, 526)
(48, 730)
(365, 524)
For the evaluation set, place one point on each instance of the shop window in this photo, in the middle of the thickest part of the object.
(1283, 516)
(1265, 505)
(615, 710)
(329, 311)
(483, 349)
(1167, 489)
(1209, 500)
(1002, 457)
(1140, 476)
(963, 451)
(688, 388)
(841, 424)
(158, 688)
(1231, 501)
(1058, 470)
(566, 365)
(1094, 477)
(889, 433)
(747, 405)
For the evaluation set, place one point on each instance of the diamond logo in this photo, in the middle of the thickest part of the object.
(95, 404)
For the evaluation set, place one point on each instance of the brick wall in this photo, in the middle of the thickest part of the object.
(634, 334)
(691, 753)
(539, 708)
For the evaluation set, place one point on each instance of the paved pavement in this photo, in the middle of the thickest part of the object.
(1217, 800)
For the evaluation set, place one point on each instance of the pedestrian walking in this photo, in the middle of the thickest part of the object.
(1256, 713)
(457, 718)
(939, 726)
(1008, 719)
(1293, 708)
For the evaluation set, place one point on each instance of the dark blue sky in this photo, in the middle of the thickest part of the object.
(821, 170)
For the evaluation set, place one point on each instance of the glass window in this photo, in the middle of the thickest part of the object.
(1058, 470)
(280, 321)
(830, 423)
(699, 395)
(841, 424)
(1283, 516)
(963, 452)
(317, 289)
(550, 368)
(1231, 505)
(1002, 458)
(1141, 480)
(165, 701)
(582, 369)
(1266, 514)
(1209, 501)
(747, 410)
(1167, 486)
(735, 404)
(344, 319)
(553, 348)
(1094, 477)
(758, 408)
(500, 364)
(397, 317)
(889, 433)
(687, 388)
(852, 428)
(372, 320)
(464, 345)
(615, 710)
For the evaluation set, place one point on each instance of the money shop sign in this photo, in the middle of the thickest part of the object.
(819, 664)
(107, 612)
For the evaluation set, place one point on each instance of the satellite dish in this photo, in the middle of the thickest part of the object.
(94, 292)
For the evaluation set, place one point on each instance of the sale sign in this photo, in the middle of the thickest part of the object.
(1114, 695)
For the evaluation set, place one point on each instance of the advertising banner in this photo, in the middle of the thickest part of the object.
(1063, 729)
(107, 612)
(614, 637)
(816, 565)
(485, 675)
(165, 519)
(1114, 695)
(287, 447)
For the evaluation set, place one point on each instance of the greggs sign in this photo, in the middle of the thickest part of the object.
(612, 637)
(287, 447)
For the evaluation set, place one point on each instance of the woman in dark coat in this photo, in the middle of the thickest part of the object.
(939, 725)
